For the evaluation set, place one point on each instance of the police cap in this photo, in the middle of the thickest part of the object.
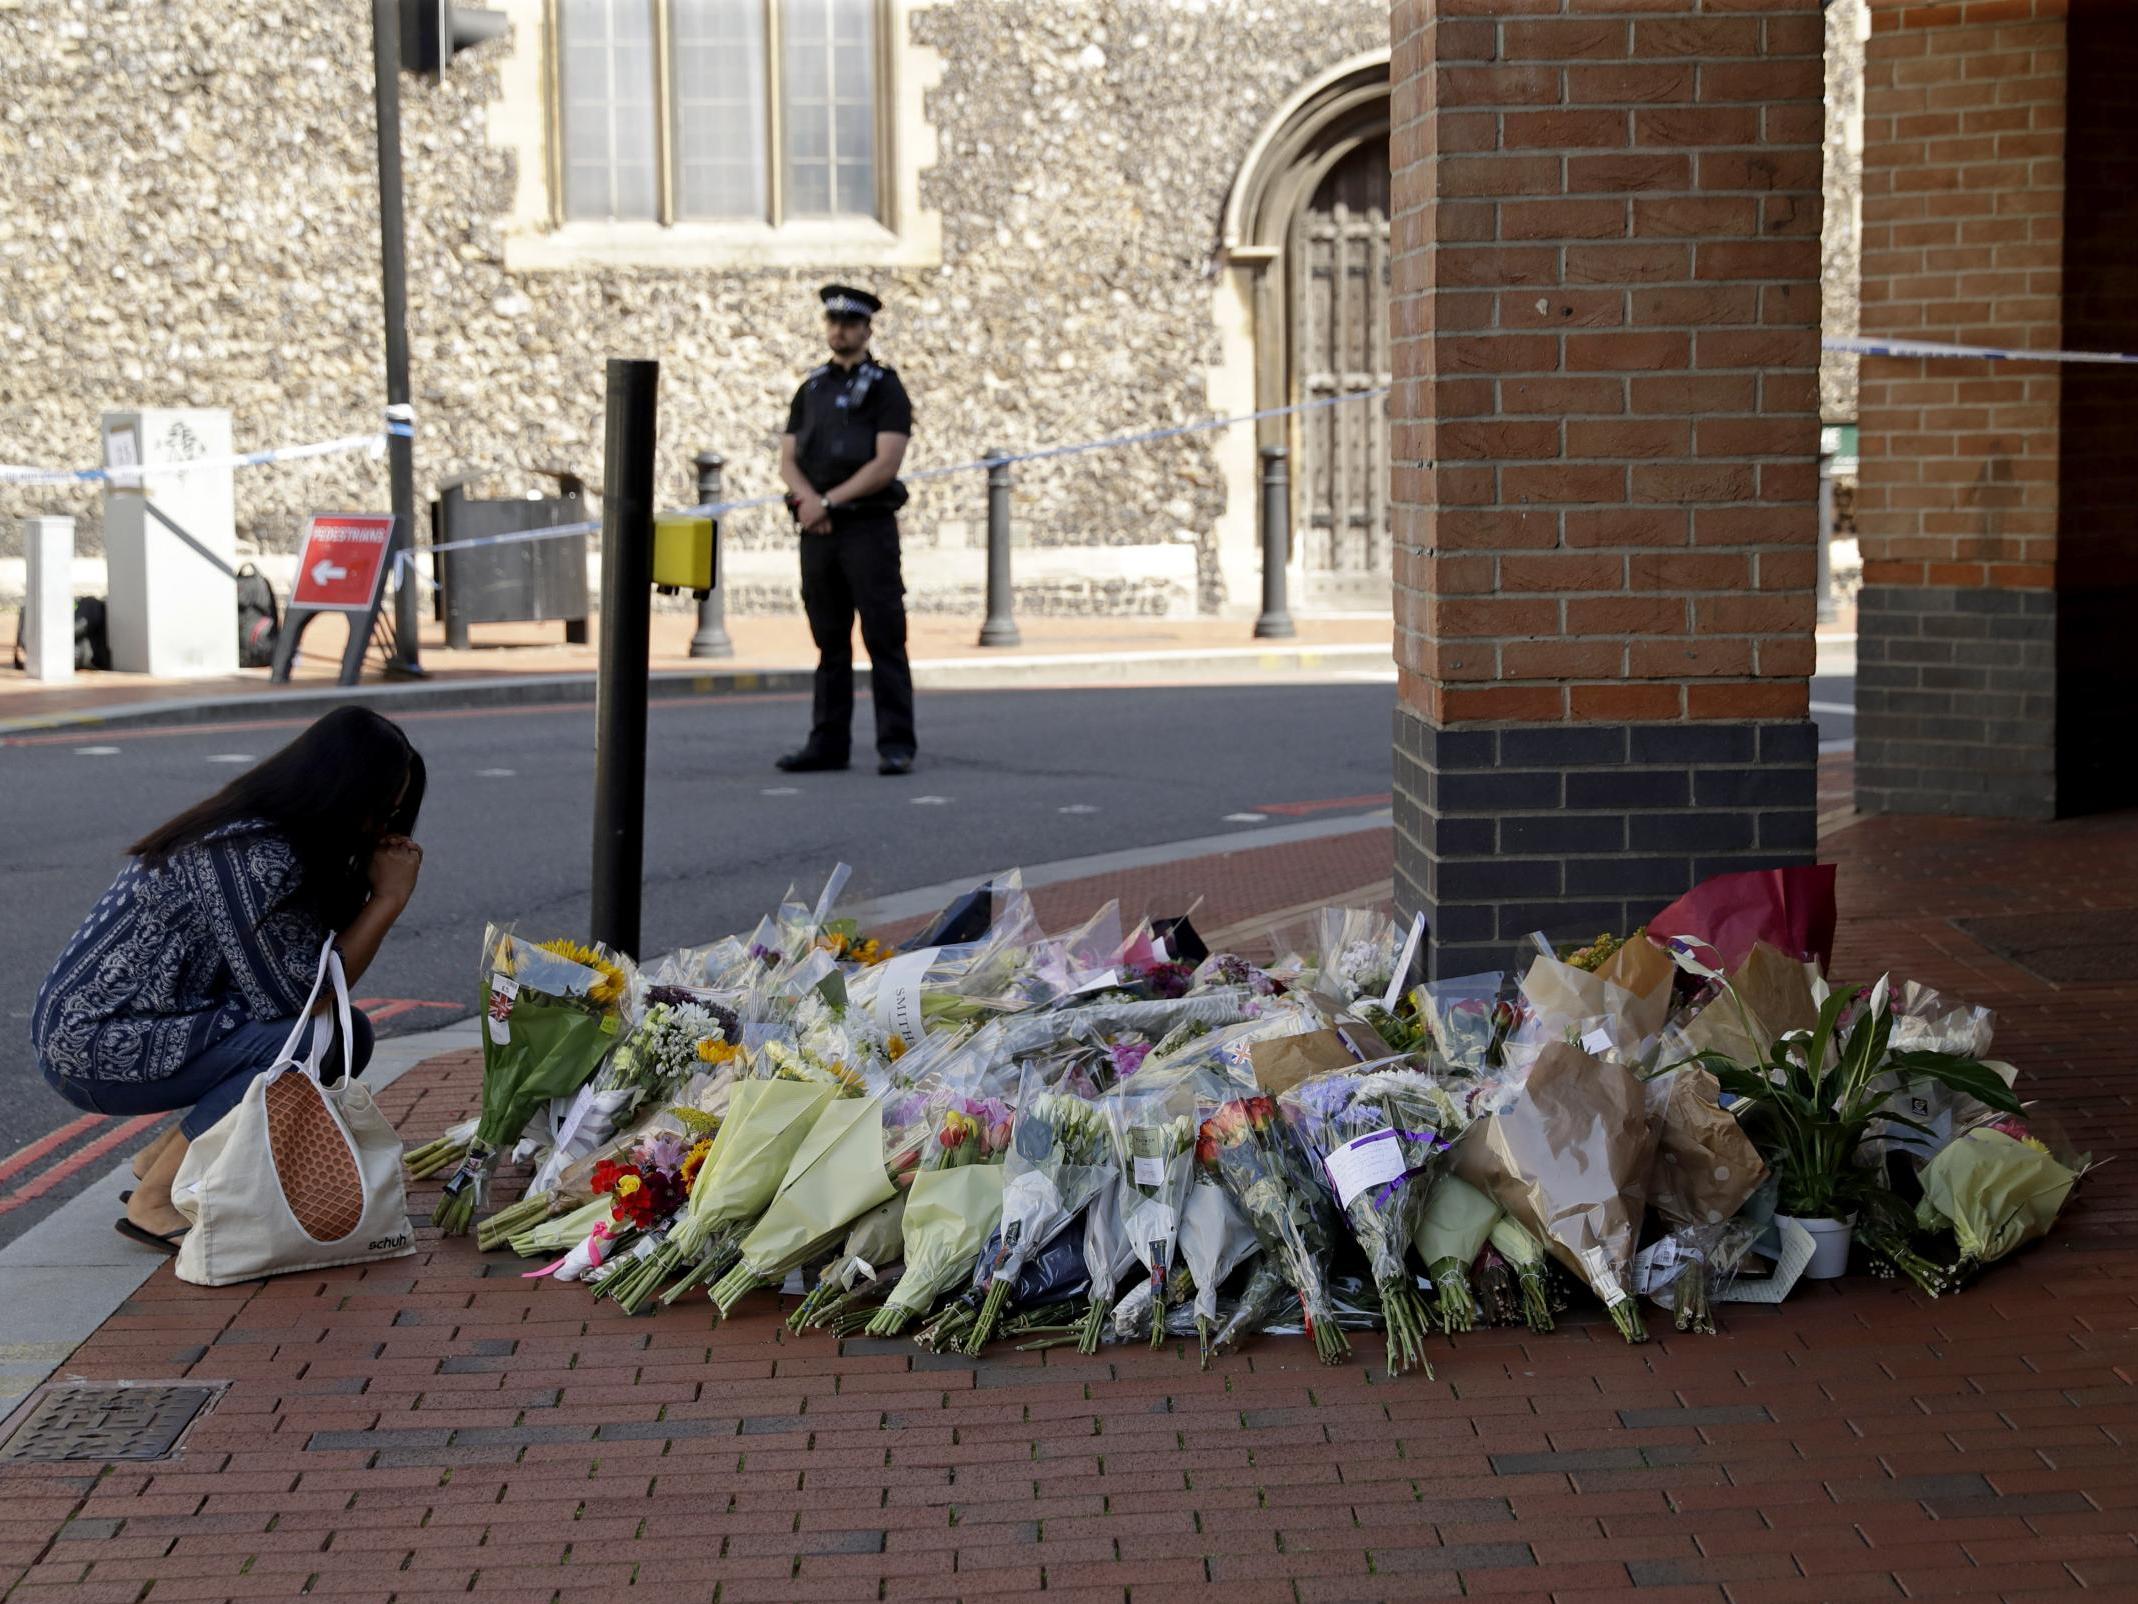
(843, 300)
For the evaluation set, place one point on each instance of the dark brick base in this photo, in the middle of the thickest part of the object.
(1575, 829)
(1956, 702)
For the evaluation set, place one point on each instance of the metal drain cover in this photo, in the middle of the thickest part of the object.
(123, 1421)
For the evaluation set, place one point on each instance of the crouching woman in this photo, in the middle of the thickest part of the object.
(181, 986)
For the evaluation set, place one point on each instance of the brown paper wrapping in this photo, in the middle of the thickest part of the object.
(1564, 995)
(1282, 1063)
(1775, 990)
(1705, 1166)
(1570, 1158)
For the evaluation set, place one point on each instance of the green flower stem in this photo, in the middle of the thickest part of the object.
(736, 1285)
(1626, 1315)
(1409, 1322)
(983, 1326)
(889, 1321)
(1093, 1328)
(1453, 1301)
(1536, 1299)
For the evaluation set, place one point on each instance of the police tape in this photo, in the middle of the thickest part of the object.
(1946, 351)
(406, 559)
(400, 420)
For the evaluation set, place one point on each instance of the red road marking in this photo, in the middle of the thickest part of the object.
(75, 1161)
(1299, 809)
(381, 1009)
(29, 1154)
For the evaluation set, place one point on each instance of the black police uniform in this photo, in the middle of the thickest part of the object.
(835, 418)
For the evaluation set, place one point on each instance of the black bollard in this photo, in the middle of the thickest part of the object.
(1276, 620)
(1001, 626)
(712, 637)
(626, 639)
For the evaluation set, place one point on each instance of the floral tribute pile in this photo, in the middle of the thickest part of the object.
(1109, 1133)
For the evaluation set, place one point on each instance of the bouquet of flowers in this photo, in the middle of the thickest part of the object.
(1705, 1168)
(1450, 1234)
(1381, 1137)
(1108, 1256)
(1152, 1124)
(767, 1120)
(1215, 1240)
(674, 1034)
(640, 1191)
(1054, 1167)
(1567, 1152)
(955, 1204)
(1243, 1142)
(872, 1242)
(551, 1012)
(837, 1175)
(1357, 952)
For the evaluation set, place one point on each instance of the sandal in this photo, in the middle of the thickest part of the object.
(162, 1243)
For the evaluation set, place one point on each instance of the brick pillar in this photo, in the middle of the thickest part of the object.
(1997, 499)
(1605, 419)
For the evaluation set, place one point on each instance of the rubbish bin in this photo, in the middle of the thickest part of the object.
(522, 581)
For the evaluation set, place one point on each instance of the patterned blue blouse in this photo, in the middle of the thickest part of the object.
(170, 961)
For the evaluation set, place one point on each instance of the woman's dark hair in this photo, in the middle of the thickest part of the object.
(332, 793)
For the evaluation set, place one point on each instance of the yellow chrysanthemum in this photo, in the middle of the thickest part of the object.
(712, 1050)
(609, 988)
(896, 1047)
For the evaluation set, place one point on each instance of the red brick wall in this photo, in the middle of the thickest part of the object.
(1962, 241)
(1606, 342)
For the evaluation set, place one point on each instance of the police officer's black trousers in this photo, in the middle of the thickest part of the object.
(854, 569)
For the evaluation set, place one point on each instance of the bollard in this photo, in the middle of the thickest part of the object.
(1276, 620)
(48, 598)
(712, 637)
(1001, 626)
(406, 658)
(626, 638)
(451, 588)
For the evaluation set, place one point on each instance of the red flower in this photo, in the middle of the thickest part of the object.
(607, 1173)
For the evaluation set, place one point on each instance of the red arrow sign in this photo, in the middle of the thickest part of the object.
(344, 561)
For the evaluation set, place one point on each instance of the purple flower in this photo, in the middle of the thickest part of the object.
(1128, 1057)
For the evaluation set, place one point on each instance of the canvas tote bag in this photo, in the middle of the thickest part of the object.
(299, 1175)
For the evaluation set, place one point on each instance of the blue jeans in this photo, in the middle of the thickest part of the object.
(211, 1084)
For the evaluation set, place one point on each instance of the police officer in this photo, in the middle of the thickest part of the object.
(846, 435)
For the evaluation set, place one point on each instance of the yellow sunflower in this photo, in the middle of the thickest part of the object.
(606, 991)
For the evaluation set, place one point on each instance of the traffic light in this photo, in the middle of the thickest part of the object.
(434, 31)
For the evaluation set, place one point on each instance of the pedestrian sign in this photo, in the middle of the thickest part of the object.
(341, 568)
(343, 561)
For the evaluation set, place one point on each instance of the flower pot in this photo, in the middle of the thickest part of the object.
(1830, 1243)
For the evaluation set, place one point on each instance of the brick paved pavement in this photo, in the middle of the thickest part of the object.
(436, 1426)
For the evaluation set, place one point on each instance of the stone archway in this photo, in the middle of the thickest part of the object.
(1303, 306)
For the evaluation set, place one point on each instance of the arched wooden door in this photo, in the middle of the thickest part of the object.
(1339, 286)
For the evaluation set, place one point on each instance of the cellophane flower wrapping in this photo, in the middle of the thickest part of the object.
(955, 1201)
(1356, 952)
(1056, 1163)
(671, 1034)
(1243, 1141)
(1151, 1119)
(1382, 1136)
(1926, 1021)
(551, 1013)
(1215, 1240)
